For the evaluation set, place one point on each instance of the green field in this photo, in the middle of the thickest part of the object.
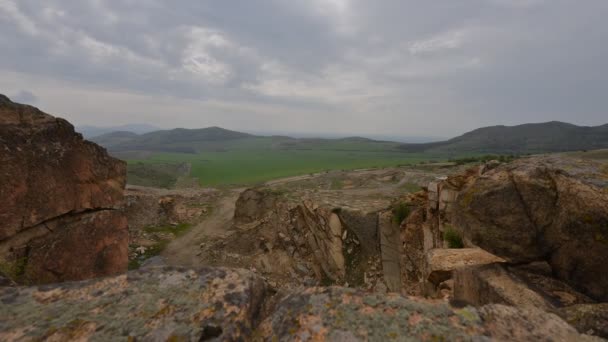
(250, 166)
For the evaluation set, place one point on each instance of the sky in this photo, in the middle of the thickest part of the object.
(350, 67)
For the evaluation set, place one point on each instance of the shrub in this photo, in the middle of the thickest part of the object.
(400, 212)
(453, 238)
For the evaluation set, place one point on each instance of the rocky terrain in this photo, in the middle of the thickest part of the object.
(498, 251)
(59, 195)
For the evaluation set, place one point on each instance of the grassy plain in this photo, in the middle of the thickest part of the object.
(247, 166)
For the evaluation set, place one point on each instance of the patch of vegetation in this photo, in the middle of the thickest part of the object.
(159, 235)
(410, 187)
(484, 158)
(175, 230)
(154, 175)
(453, 238)
(14, 270)
(150, 252)
(400, 212)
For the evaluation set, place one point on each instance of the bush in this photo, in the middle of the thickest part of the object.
(400, 212)
(453, 239)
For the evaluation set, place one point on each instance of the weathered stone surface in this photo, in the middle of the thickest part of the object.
(440, 263)
(155, 304)
(145, 206)
(493, 284)
(174, 304)
(365, 226)
(82, 247)
(339, 314)
(589, 319)
(48, 170)
(323, 230)
(390, 248)
(59, 192)
(253, 204)
(542, 208)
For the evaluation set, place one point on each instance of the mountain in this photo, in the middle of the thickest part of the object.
(94, 131)
(528, 138)
(174, 140)
(551, 136)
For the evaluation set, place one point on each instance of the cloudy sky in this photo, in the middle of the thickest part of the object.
(382, 67)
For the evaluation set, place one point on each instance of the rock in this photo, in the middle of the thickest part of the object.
(254, 204)
(340, 314)
(390, 250)
(550, 209)
(151, 207)
(440, 263)
(507, 323)
(493, 284)
(154, 304)
(591, 319)
(59, 192)
(155, 261)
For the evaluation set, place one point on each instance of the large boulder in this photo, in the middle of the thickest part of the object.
(59, 193)
(543, 208)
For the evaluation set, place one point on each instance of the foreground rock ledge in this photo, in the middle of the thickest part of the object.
(160, 304)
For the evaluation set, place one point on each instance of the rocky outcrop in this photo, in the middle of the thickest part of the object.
(553, 209)
(340, 314)
(172, 304)
(253, 204)
(149, 207)
(156, 304)
(306, 240)
(59, 192)
(548, 208)
(441, 262)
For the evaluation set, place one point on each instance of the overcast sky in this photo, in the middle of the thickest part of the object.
(375, 67)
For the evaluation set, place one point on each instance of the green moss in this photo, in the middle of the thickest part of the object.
(453, 238)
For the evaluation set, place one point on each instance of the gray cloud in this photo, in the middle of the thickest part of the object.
(347, 66)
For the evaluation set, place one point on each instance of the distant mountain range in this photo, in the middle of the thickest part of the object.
(528, 138)
(94, 131)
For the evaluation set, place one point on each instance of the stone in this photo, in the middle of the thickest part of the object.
(58, 220)
(551, 208)
(340, 314)
(390, 250)
(493, 284)
(591, 319)
(152, 304)
(254, 204)
(440, 263)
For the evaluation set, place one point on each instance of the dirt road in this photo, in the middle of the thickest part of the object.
(183, 250)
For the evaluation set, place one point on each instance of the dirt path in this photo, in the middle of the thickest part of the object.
(183, 250)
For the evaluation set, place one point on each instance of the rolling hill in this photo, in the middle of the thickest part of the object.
(551, 136)
(217, 139)
(528, 138)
